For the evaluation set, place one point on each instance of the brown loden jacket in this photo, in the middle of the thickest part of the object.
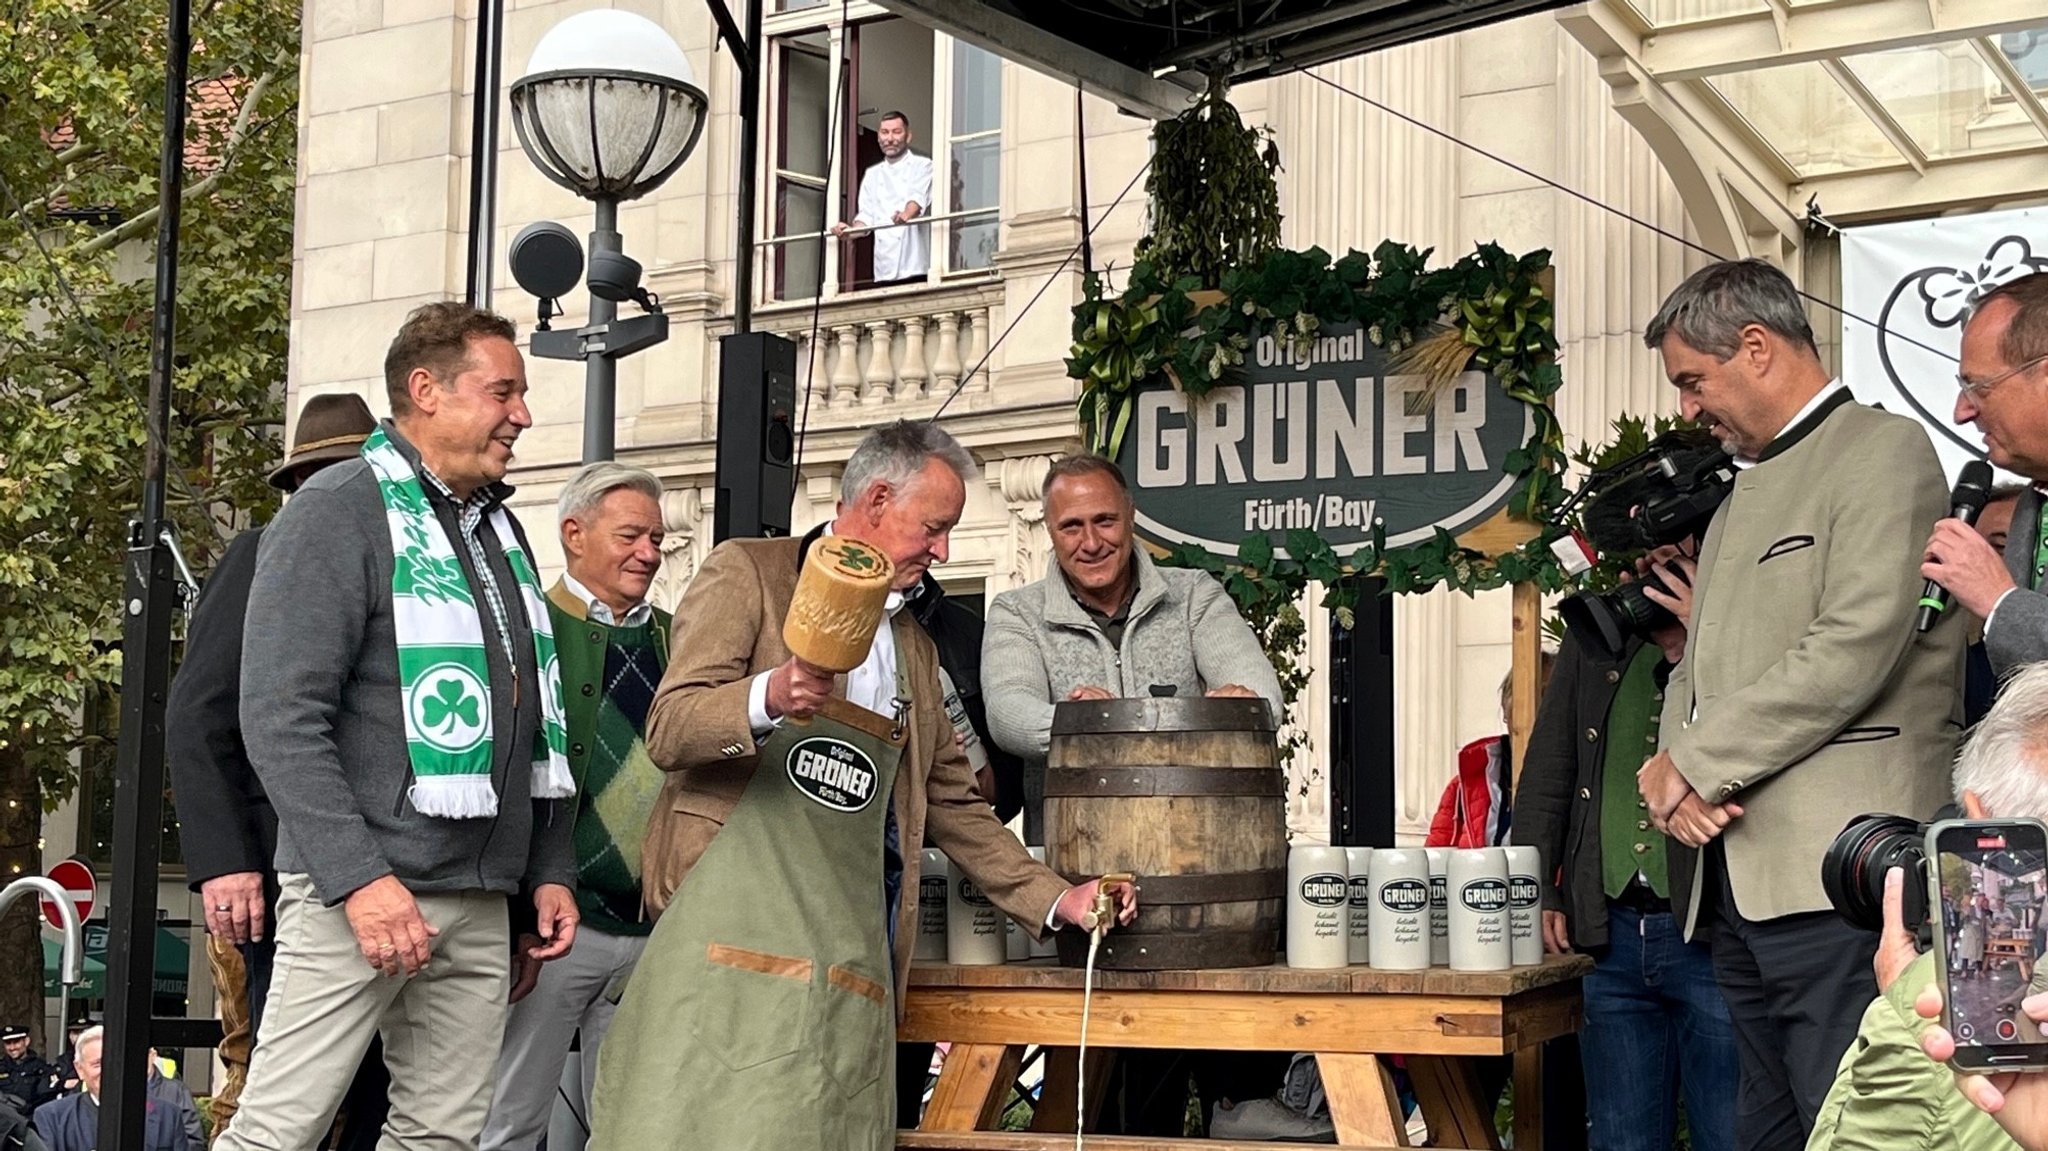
(728, 628)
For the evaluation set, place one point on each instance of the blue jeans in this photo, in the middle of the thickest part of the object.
(1655, 1023)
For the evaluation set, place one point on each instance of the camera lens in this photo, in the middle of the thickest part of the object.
(1606, 620)
(1852, 873)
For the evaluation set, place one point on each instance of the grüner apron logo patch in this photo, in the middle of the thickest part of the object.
(972, 896)
(1405, 896)
(1325, 890)
(833, 773)
(1486, 896)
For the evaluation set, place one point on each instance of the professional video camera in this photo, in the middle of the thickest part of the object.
(1659, 496)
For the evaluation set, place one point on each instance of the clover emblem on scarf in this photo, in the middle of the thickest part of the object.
(450, 704)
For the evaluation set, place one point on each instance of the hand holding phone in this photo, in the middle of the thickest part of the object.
(1989, 880)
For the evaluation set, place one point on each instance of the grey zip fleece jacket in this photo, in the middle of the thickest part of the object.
(321, 707)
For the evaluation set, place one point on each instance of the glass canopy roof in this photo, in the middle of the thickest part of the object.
(1833, 87)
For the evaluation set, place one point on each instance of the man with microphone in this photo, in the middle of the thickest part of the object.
(2000, 390)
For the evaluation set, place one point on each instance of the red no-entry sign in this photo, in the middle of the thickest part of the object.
(77, 881)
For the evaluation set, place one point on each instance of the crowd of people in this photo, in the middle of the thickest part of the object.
(54, 1106)
(1684, 790)
(448, 823)
(442, 817)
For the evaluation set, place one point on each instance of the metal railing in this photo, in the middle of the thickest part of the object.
(71, 963)
(860, 230)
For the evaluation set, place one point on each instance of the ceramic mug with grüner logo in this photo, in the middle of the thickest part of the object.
(1399, 935)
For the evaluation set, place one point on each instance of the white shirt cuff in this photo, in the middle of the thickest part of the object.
(1994, 610)
(1053, 913)
(757, 706)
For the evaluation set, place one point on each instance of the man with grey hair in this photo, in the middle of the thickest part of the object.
(1805, 697)
(72, 1122)
(789, 830)
(613, 649)
(2000, 390)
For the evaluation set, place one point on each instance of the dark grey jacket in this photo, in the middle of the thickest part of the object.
(1557, 798)
(321, 708)
(2018, 631)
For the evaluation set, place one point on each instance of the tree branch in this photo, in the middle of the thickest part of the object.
(237, 136)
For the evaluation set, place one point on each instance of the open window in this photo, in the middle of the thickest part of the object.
(834, 81)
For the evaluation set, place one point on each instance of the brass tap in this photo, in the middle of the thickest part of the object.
(1101, 915)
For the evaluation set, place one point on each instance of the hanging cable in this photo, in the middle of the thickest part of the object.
(1050, 280)
(1081, 162)
(1605, 207)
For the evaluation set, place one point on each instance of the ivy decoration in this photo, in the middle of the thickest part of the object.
(1494, 301)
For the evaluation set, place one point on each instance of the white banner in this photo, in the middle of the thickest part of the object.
(1907, 289)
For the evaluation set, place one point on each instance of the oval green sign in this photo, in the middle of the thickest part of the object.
(1326, 441)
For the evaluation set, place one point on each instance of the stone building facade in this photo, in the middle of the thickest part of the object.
(384, 136)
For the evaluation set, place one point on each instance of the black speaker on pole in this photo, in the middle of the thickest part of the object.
(756, 468)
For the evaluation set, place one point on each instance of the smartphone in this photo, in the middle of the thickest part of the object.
(1989, 880)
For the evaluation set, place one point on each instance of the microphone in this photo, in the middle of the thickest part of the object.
(1972, 488)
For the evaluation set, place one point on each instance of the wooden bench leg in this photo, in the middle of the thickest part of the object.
(1448, 1092)
(1529, 1098)
(1055, 1110)
(1363, 1104)
(972, 1088)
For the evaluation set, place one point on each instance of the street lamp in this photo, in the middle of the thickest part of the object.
(607, 109)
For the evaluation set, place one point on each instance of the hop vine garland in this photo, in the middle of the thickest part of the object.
(1491, 302)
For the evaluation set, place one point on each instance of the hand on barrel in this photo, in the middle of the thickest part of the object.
(1089, 691)
(1232, 691)
(1074, 905)
(797, 690)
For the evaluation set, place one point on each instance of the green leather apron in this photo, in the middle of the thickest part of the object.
(762, 1014)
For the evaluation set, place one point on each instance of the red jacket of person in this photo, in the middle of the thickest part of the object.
(1474, 809)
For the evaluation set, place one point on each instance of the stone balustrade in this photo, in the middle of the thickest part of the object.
(898, 349)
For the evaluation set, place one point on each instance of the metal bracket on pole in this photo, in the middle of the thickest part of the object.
(729, 31)
(616, 339)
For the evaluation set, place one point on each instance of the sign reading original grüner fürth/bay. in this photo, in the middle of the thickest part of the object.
(1323, 441)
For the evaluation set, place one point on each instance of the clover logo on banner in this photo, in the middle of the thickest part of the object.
(447, 708)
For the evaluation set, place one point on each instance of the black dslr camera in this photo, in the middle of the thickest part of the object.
(1660, 496)
(1852, 872)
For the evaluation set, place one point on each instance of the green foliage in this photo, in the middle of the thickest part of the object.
(79, 140)
(1215, 199)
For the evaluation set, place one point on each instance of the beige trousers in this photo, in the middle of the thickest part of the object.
(442, 1027)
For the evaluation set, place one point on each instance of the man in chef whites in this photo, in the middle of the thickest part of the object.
(893, 193)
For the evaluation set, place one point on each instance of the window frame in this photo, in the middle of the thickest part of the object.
(841, 26)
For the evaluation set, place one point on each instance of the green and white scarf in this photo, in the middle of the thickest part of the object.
(444, 673)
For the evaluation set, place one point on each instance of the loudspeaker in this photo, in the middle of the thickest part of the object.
(755, 473)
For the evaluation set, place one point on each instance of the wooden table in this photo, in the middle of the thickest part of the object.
(1439, 1019)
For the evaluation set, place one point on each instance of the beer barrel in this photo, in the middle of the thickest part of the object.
(1188, 795)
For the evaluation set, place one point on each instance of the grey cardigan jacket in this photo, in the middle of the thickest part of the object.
(321, 708)
(1040, 646)
(2017, 632)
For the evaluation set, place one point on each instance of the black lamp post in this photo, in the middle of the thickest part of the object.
(607, 109)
